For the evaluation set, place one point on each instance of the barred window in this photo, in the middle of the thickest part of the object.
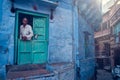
(87, 44)
(104, 26)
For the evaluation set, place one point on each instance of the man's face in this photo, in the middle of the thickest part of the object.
(25, 21)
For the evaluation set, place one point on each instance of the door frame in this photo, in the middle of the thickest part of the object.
(16, 29)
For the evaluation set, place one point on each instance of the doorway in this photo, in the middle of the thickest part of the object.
(32, 51)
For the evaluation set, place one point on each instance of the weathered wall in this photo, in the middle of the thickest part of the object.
(66, 36)
(86, 16)
(87, 64)
(60, 32)
(60, 43)
(6, 36)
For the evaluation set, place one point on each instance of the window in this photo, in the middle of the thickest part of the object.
(117, 33)
(104, 26)
(106, 49)
(87, 44)
(20, 21)
(117, 38)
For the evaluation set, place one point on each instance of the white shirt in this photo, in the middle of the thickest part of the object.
(26, 31)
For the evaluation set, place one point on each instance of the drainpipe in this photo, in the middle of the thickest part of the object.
(73, 40)
(74, 36)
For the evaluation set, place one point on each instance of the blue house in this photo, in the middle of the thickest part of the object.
(63, 32)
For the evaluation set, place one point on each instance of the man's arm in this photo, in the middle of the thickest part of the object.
(30, 33)
(20, 32)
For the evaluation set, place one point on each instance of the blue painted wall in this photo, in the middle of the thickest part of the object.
(6, 36)
(85, 21)
(66, 35)
(1, 1)
(86, 64)
(60, 45)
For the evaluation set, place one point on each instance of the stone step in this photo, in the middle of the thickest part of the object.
(52, 71)
(26, 71)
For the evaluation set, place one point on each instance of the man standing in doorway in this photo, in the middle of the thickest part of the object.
(26, 32)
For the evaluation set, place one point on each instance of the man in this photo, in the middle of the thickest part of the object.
(26, 32)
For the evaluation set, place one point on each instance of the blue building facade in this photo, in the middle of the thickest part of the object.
(70, 32)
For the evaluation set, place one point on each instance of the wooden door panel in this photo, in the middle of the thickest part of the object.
(24, 52)
(39, 22)
(40, 42)
(25, 58)
(39, 57)
(39, 31)
(25, 46)
(39, 46)
(39, 52)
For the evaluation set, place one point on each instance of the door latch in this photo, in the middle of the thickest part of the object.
(36, 36)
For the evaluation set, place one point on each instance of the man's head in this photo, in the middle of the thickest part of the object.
(25, 21)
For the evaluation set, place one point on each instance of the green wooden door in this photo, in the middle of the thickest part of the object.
(39, 43)
(24, 52)
(34, 51)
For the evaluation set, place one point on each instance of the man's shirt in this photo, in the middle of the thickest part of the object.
(26, 31)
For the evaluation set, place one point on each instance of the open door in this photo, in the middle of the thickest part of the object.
(32, 51)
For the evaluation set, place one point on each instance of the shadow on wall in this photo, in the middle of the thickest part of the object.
(3, 49)
(4, 42)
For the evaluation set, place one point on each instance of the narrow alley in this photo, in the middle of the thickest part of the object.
(104, 75)
(59, 39)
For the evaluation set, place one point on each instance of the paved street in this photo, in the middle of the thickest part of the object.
(104, 75)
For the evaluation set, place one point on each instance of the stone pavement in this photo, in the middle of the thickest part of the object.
(104, 75)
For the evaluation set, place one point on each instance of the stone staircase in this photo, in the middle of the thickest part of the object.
(55, 71)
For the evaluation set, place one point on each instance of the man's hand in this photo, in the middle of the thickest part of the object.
(24, 38)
